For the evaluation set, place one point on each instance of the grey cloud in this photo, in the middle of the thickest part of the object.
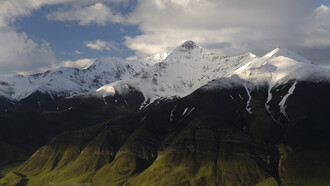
(232, 27)
(101, 45)
(20, 53)
(97, 13)
(228, 27)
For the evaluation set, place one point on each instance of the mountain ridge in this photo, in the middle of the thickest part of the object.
(196, 119)
(66, 81)
(190, 66)
(101, 73)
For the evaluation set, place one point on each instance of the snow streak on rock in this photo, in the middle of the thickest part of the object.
(190, 111)
(283, 101)
(171, 115)
(185, 110)
(232, 97)
(269, 98)
(248, 108)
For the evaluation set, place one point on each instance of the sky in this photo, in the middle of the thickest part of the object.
(36, 35)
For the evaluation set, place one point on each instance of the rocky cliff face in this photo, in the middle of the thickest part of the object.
(209, 137)
(194, 119)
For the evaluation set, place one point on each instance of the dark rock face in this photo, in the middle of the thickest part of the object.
(36, 98)
(189, 45)
(211, 137)
(6, 104)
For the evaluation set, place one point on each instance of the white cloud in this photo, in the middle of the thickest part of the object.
(131, 58)
(20, 53)
(97, 13)
(168, 22)
(230, 27)
(11, 9)
(80, 63)
(101, 45)
(317, 31)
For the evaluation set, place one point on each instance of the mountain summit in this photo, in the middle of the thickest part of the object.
(65, 81)
(196, 117)
(286, 53)
(189, 45)
(183, 71)
(189, 67)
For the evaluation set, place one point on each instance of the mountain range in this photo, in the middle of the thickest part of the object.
(65, 81)
(193, 118)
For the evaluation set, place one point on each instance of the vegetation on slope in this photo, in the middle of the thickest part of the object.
(207, 138)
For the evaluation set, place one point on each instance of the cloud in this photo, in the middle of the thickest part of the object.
(12, 9)
(94, 14)
(17, 51)
(228, 27)
(20, 53)
(318, 31)
(231, 27)
(101, 45)
(80, 63)
(131, 58)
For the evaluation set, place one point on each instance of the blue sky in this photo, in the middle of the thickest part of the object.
(324, 2)
(52, 33)
(67, 38)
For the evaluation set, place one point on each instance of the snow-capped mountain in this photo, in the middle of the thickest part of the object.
(183, 71)
(66, 81)
(272, 111)
(281, 65)
(186, 69)
(189, 67)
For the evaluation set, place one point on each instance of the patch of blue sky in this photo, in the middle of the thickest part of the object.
(68, 37)
(323, 2)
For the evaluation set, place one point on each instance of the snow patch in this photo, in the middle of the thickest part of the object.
(171, 115)
(143, 118)
(67, 109)
(50, 95)
(240, 96)
(107, 90)
(126, 103)
(190, 111)
(231, 97)
(105, 102)
(283, 101)
(248, 108)
(269, 98)
(185, 110)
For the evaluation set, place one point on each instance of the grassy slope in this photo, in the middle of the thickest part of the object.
(208, 147)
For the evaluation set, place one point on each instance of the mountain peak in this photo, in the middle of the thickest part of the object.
(158, 57)
(284, 52)
(249, 54)
(189, 45)
(188, 49)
